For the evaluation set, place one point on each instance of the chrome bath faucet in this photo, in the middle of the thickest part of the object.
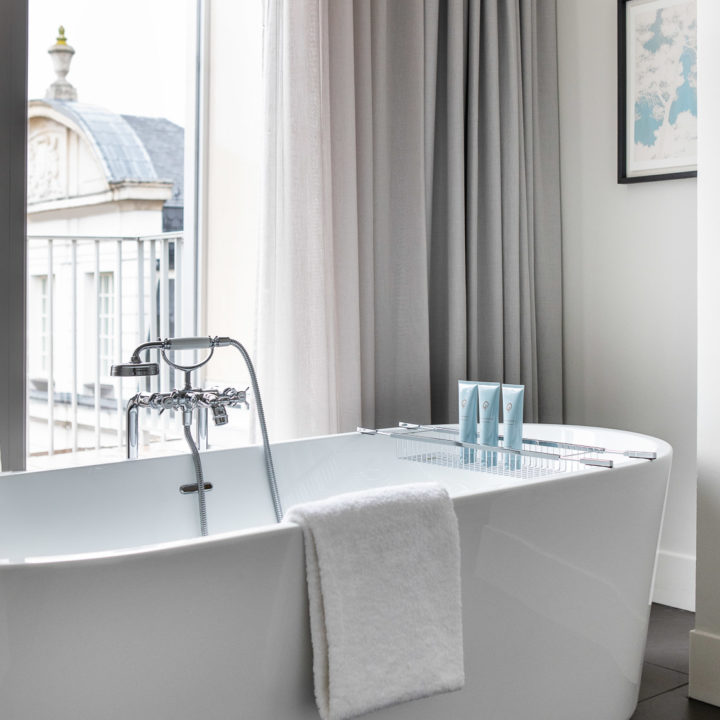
(189, 399)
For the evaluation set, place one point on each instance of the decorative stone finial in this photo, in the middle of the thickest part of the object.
(61, 54)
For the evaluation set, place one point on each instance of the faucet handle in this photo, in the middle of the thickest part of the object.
(188, 343)
(220, 416)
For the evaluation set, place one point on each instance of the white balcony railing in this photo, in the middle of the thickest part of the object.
(91, 301)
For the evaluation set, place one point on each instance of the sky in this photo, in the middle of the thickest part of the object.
(130, 56)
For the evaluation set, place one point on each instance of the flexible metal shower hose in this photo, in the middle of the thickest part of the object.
(200, 480)
(263, 428)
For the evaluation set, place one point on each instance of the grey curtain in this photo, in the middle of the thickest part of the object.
(488, 100)
(412, 226)
(495, 243)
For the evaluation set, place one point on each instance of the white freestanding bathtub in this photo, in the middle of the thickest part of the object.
(112, 609)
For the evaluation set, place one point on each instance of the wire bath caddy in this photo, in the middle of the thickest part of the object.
(440, 445)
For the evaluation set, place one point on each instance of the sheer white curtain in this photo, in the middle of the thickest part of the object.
(411, 210)
(342, 325)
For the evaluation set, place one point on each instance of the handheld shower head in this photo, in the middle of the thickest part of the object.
(135, 369)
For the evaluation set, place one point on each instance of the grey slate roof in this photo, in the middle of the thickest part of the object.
(165, 143)
(140, 149)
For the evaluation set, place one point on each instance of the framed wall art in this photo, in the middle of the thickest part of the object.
(657, 90)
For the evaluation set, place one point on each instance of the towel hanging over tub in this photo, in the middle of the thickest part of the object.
(383, 573)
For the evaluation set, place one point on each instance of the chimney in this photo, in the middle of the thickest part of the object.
(61, 54)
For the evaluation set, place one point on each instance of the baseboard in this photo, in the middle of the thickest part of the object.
(674, 583)
(704, 664)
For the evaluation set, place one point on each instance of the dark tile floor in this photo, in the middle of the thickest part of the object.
(663, 690)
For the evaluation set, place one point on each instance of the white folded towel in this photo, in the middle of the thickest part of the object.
(383, 572)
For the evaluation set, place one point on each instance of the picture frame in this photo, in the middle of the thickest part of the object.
(657, 90)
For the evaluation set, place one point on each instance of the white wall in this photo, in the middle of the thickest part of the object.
(232, 168)
(235, 116)
(705, 639)
(131, 218)
(630, 283)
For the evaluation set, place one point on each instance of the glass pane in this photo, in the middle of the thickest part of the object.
(107, 107)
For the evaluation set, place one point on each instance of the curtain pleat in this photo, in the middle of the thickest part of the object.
(402, 363)
(446, 178)
(547, 260)
(412, 225)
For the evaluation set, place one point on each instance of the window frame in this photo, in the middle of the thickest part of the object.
(13, 209)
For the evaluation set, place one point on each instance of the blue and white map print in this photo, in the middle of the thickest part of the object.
(664, 84)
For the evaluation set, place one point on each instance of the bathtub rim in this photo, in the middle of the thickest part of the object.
(4, 475)
(664, 453)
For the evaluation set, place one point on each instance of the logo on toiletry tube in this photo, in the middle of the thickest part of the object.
(486, 405)
(464, 402)
(508, 407)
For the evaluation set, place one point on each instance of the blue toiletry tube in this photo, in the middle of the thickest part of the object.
(512, 398)
(489, 417)
(468, 412)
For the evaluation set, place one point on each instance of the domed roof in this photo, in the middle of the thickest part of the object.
(106, 156)
(118, 146)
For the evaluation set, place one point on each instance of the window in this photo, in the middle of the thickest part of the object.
(39, 321)
(106, 313)
(106, 137)
(185, 270)
(44, 324)
(41, 283)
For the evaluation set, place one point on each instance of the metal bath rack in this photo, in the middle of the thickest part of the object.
(440, 445)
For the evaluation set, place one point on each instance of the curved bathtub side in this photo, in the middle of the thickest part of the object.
(556, 585)
(560, 592)
(207, 630)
